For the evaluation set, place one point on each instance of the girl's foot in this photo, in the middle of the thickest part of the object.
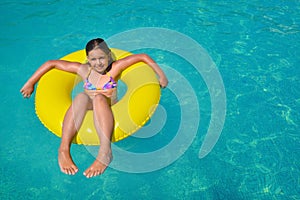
(99, 165)
(66, 163)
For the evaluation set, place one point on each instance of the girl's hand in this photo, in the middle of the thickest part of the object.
(163, 81)
(27, 90)
(108, 93)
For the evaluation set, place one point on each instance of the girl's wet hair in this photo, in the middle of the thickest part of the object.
(97, 43)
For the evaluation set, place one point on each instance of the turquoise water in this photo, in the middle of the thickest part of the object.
(255, 46)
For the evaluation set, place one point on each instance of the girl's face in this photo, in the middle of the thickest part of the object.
(98, 60)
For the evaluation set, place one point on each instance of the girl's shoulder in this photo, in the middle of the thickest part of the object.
(83, 70)
(115, 70)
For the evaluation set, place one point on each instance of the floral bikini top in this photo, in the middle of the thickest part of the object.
(109, 85)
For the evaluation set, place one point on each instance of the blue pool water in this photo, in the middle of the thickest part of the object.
(255, 48)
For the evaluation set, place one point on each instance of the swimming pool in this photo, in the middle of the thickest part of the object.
(254, 46)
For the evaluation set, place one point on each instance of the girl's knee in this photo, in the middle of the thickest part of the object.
(100, 97)
(82, 95)
(81, 101)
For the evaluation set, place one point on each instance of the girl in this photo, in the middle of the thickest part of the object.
(99, 75)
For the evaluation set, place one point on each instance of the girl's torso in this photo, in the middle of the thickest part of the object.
(94, 81)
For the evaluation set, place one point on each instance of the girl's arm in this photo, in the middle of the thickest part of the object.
(130, 60)
(67, 66)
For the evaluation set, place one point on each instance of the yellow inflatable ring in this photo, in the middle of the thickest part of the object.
(54, 96)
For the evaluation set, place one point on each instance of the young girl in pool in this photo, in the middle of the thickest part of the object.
(99, 75)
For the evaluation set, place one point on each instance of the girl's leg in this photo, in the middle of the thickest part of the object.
(104, 124)
(72, 122)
